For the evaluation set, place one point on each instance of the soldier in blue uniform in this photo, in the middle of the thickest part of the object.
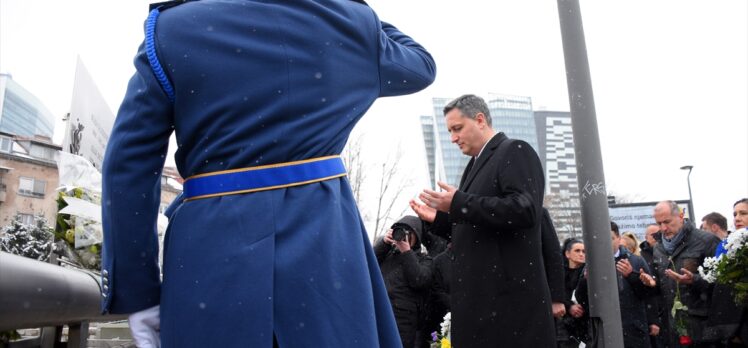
(268, 244)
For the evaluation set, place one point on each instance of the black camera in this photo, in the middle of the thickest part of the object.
(399, 234)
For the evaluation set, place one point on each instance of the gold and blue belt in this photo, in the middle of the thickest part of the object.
(263, 178)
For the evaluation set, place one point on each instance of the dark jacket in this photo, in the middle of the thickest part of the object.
(437, 301)
(407, 277)
(434, 244)
(499, 291)
(655, 309)
(552, 258)
(632, 295)
(724, 316)
(690, 253)
(647, 252)
(568, 328)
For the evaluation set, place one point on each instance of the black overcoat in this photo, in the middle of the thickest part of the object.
(500, 296)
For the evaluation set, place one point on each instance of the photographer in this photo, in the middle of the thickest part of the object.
(407, 273)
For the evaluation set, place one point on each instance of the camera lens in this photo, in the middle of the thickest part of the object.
(398, 234)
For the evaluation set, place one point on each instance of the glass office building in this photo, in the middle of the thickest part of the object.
(512, 115)
(21, 113)
(428, 130)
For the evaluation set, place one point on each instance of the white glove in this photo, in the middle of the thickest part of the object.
(145, 327)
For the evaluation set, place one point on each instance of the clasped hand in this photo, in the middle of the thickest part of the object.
(433, 201)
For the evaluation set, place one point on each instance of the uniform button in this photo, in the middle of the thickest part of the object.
(105, 273)
(106, 288)
(105, 280)
(103, 294)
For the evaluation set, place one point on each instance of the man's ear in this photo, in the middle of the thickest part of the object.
(481, 118)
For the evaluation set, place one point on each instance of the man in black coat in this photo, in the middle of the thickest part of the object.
(500, 296)
(677, 258)
(407, 274)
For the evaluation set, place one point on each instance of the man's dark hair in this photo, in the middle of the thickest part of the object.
(470, 105)
(715, 218)
(614, 228)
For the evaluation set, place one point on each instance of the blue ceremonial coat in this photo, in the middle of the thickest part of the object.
(255, 83)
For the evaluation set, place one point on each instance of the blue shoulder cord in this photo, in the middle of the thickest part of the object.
(150, 51)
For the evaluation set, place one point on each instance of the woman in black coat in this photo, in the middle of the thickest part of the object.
(571, 329)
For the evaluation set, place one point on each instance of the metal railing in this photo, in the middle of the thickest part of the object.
(37, 294)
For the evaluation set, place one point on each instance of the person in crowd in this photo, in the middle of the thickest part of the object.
(499, 291)
(740, 219)
(716, 224)
(407, 274)
(430, 317)
(724, 316)
(646, 247)
(630, 242)
(434, 244)
(572, 328)
(437, 304)
(655, 310)
(676, 260)
(740, 213)
(632, 292)
(267, 247)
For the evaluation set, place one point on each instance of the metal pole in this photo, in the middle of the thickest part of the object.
(35, 294)
(605, 312)
(690, 197)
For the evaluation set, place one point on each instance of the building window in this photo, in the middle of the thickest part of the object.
(5, 144)
(26, 219)
(31, 187)
(42, 152)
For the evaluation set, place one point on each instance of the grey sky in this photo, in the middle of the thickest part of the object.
(670, 78)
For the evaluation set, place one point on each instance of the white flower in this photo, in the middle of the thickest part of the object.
(446, 324)
(735, 241)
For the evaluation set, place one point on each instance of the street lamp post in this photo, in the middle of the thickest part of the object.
(690, 197)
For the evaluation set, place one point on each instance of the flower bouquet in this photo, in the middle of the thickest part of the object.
(443, 338)
(79, 232)
(731, 267)
(78, 229)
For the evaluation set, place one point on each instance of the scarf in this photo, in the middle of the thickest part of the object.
(671, 244)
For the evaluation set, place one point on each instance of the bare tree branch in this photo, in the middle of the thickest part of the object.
(391, 188)
(353, 161)
(566, 214)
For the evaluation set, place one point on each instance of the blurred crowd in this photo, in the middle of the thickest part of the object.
(664, 302)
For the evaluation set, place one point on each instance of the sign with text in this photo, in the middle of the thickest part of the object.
(635, 217)
(90, 120)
